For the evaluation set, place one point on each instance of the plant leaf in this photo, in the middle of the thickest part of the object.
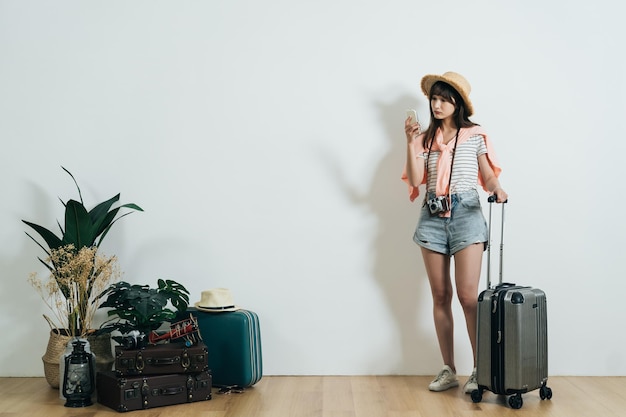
(78, 226)
(75, 182)
(108, 219)
(51, 239)
(139, 307)
(104, 233)
(100, 215)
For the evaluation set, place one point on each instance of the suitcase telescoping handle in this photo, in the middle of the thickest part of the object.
(491, 199)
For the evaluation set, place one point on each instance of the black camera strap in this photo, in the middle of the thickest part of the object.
(430, 147)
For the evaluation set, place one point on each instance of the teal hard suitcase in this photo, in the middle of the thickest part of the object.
(233, 341)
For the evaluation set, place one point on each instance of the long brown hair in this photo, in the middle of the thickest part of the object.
(460, 117)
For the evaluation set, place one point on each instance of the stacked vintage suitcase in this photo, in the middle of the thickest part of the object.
(155, 375)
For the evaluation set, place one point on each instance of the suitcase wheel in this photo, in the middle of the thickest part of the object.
(545, 393)
(477, 395)
(515, 401)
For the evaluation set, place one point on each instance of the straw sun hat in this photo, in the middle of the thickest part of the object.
(216, 300)
(457, 81)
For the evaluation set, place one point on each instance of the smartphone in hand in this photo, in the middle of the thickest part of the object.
(413, 115)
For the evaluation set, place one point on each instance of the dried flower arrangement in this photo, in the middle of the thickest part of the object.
(73, 285)
(75, 267)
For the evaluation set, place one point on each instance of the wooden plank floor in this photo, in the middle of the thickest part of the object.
(342, 396)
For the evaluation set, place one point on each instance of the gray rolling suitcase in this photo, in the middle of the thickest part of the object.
(512, 345)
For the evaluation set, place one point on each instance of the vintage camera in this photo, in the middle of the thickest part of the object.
(133, 340)
(439, 204)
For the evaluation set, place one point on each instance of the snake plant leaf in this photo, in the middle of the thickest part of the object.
(80, 195)
(101, 216)
(82, 228)
(109, 220)
(51, 239)
(78, 227)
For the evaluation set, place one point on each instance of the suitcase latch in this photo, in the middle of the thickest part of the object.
(140, 362)
(145, 392)
(128, 363)
(133, 392)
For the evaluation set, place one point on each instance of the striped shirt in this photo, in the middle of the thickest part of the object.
(465, 166)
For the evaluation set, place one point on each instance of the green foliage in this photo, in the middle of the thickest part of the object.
(139, 307)
(82, 228)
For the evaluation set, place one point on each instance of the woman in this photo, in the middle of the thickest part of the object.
(459, 157)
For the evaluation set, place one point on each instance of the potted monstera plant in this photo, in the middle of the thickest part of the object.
(77, 274)
(140, 308)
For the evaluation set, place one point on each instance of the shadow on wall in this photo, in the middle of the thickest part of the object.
(21, 320)
(397, 265)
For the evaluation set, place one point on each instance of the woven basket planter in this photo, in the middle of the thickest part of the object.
(100, 346)
(56, 347)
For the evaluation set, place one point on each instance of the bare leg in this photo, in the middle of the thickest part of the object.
(467, 263)
(438, 270)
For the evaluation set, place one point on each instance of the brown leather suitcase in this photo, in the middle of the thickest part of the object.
(169, 358)
(128, 393)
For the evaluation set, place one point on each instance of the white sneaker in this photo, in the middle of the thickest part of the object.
(471, 384)
(446, 379)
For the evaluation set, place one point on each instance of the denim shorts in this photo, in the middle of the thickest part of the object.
(448, 235)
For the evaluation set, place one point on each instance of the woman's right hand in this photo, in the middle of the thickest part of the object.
(414, 169)
(411, 129)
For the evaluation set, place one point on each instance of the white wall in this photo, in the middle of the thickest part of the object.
(264, 139)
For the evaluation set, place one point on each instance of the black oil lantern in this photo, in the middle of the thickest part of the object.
(78, 377)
